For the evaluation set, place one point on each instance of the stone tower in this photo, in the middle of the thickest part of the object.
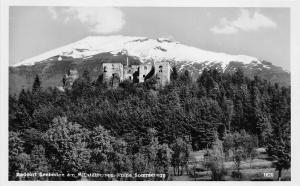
(112, 73)
(162, 73)
(144, 70)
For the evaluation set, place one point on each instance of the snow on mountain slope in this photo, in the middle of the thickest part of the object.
(140, 47)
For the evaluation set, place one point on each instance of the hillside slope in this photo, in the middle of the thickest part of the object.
(89, 53)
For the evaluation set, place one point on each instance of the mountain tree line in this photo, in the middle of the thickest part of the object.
(139, 128)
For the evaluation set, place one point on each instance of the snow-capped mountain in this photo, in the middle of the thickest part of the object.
(142, 48)
(89, 53)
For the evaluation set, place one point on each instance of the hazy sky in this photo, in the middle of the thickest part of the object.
(260, 32)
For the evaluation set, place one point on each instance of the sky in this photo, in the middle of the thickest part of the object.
(263, 33)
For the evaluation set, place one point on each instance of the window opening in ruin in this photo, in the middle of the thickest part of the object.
(160, 68)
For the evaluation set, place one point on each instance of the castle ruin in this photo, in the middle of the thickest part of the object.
(114, 73)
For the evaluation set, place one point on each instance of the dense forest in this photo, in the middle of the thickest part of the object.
(140, 128)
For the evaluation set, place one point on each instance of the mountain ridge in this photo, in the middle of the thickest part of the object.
(141, 47)
(89, 53)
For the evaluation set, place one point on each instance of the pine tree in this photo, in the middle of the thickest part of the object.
(185, 77)
(86, 76)
(228, 108)
(163, 159)
(181, 152)
(279, 142)
(280, 151)
(99, 80)
(238, 76)
(36, 87)
(174, 73)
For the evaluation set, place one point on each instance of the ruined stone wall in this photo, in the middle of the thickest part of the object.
(144, 70)
(129, 70)
(112, 68)
(115, 72)
(162, 73)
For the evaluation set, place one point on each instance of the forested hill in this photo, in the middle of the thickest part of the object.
(137, 119)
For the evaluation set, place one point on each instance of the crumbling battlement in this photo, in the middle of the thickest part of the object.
(114, 73)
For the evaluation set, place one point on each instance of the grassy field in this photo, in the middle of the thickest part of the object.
(259, 169)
